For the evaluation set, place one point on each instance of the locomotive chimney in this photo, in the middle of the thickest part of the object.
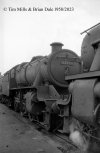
(56, 46)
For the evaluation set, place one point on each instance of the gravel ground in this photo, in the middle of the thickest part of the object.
(18, 136)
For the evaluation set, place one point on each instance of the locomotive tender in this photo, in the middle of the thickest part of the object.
(59, 89)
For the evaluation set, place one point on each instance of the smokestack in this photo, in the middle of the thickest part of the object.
(56, 46)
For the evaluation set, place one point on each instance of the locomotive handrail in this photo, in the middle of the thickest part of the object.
(90, 28)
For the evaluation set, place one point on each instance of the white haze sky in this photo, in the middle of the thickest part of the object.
(26, 34)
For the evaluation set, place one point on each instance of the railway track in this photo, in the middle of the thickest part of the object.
(59, 137)
(63, 138)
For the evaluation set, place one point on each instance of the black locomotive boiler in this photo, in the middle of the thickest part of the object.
(38, 88)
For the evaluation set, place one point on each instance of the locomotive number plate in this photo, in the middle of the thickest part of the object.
(66, 62)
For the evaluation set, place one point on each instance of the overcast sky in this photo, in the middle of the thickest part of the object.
(24, 34)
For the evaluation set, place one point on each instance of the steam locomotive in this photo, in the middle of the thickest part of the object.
(60, 89)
